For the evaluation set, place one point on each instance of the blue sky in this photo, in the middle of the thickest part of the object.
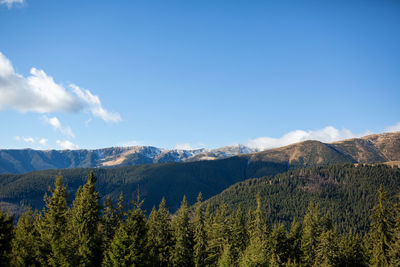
(94, 74)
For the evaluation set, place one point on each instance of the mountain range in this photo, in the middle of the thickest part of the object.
(175, 179)
(27, 160)
(370, 149)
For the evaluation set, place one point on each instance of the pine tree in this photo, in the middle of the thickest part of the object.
(395, 247)
(25, 242)
(256, 254)
(199, 234)
(218, 235)
(182, 253)
(110, 221)
(226, 258)
(381, 231)
(160, 241)
(238, 237)
(129, 246)
(327, 251)
(6, 235)
(279, 243)
(52, 225)
(312, 229)
(294, 240)
(351, 250)
(84, 235)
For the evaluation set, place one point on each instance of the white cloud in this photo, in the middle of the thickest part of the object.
(43, 141)
(67, 145)
(94, 105)
(187, 146)
(28, 139)
(40, 93)
(393, 128)
(56, 124)
(10, 3)
(326, 135)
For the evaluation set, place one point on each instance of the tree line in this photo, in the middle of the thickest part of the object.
(86, 234)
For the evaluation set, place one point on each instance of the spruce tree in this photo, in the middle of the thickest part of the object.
(25, 242)
(110, 221)
(199, 234)
(395, 247)
(312, 229)
(327, 251)
(52, 226)
(238, 237)
(84, 235)
(351, 251)
(381, 234)
(160, 241)
(6, 235)
(279, 244)
(218, 235)
(256, 254)
(294, 240)
(182, 253)
(129, 246)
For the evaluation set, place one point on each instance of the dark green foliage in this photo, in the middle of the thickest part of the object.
(129, 246)
(395, 248)
(327, 250)
(312, 229)
(110, 221)
(381, 234)
(26, 241)
(182, 253)
(160, 238)
(237, 236)
(352, 251)
(52, 226)
(348, 192)
(199, 233)
(83, 226)
(217, 235)
(6, 235)
(294, 240)
(256, 253)
(83, 234)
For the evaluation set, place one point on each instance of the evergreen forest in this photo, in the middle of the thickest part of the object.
(89, 233)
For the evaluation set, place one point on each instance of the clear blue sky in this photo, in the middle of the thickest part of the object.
(203, 73)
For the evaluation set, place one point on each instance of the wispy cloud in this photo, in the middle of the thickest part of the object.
(31, 140)
(40, 93)
(25, 139)
(56, 124)
(327, 135)
(67, 145)
(43, 141)
(393, 128)
(187, 146)
(93, 103)
(11, 3)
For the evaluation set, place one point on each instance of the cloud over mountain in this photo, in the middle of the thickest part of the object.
(327, 135)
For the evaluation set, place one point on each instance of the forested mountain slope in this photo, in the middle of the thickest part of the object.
(346, 191)
(171, 180)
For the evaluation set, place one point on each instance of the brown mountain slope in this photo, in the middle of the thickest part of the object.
(369, 149)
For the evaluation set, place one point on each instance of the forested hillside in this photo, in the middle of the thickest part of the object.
(347, 192)
(171, 180)
(84, 234)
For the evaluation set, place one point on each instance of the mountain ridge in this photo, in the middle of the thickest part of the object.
(373, 148)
